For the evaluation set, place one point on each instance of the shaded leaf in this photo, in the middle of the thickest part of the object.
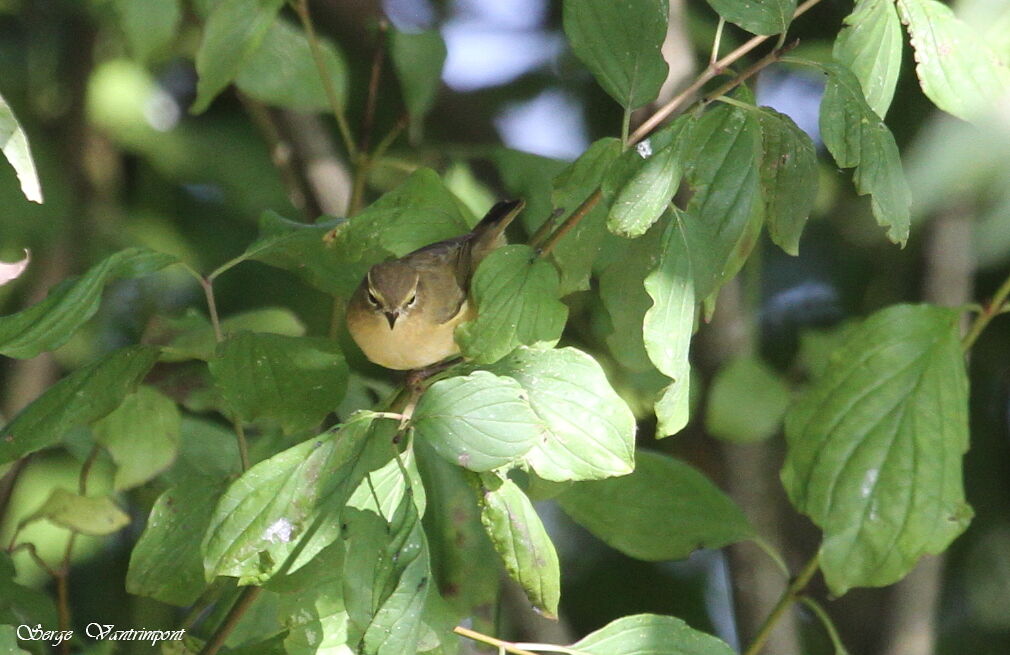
(94, 516)
(141, 435)
(746, 402)
(620, 45)
(591, 431)
(516, 294)
(295, 381)
(282, 71)
(150, 26)
(14, 144)
(522, 542)
(870, 46)
(234, 30)
(650, 634)
(417, 59)
(576, 253)
(669, 324)
(22, 605)
(789, 178)
(856, 137)
(480, 422)
(757, 16)
(957, 69)
(47, 325)
(875, 446)
(663, 510)
(192, 336)
(86, 395)
(723, 151)
(166, 563)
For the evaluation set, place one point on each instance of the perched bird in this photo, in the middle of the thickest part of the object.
(404, 313)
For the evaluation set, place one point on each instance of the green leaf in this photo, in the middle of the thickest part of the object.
(668, 325)
(304, 250)
(142, 435)
(649, 634)
(150, 26)
(522, 542)
(957, 69)
(282, 71)
(49, 324)
(619, 42)
(417, 59)
(480, 422)
(460, 549)
(856, 137)
(192, 336)
(22, 605)
(14, 144)
(386, 581)
(86, 395)
(9, 641)
(516, 294)
(315, 616)
(723, 151)
(875, 446)
(234, 30)
(789, 178)
(757, 16)
(166, 563)
(591, 431)
(576, 253)
(295, 381)
(664, 510)
(647, 195)
(622, 290)
(280, 513)
(94, 516)
(389, 486)
(870, 46)
(746, 402)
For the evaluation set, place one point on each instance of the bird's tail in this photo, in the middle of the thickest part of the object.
(488, 234)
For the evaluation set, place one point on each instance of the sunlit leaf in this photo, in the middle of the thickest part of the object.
(86, 395)
(14, 144)
(663, 510)
(870, 45)
(12, 270)
(668, 325)
(620, 44)
(480, 422)
(875, 446)
(522, 542)
(650, 634)
(591, 431)
(957, 69)
(516, 295)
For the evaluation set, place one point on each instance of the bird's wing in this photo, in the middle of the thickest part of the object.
(446, 269)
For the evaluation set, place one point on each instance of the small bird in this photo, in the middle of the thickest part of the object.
(404, 313)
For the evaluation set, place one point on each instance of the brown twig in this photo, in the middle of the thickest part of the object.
(750, 71)
(587, 206)
(241, 606)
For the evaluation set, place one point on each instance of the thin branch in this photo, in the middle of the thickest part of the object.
(507, 646)
(989, 311)
(828, 624)
(716, 42)
(789, 596)
(374, 77)
(587, 206)
(235, 614)
(751, 71)
(302, 9)
(713, 69)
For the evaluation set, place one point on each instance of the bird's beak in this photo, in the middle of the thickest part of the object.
(391, 317)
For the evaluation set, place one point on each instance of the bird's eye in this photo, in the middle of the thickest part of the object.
(372, 299)
(413, 298)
